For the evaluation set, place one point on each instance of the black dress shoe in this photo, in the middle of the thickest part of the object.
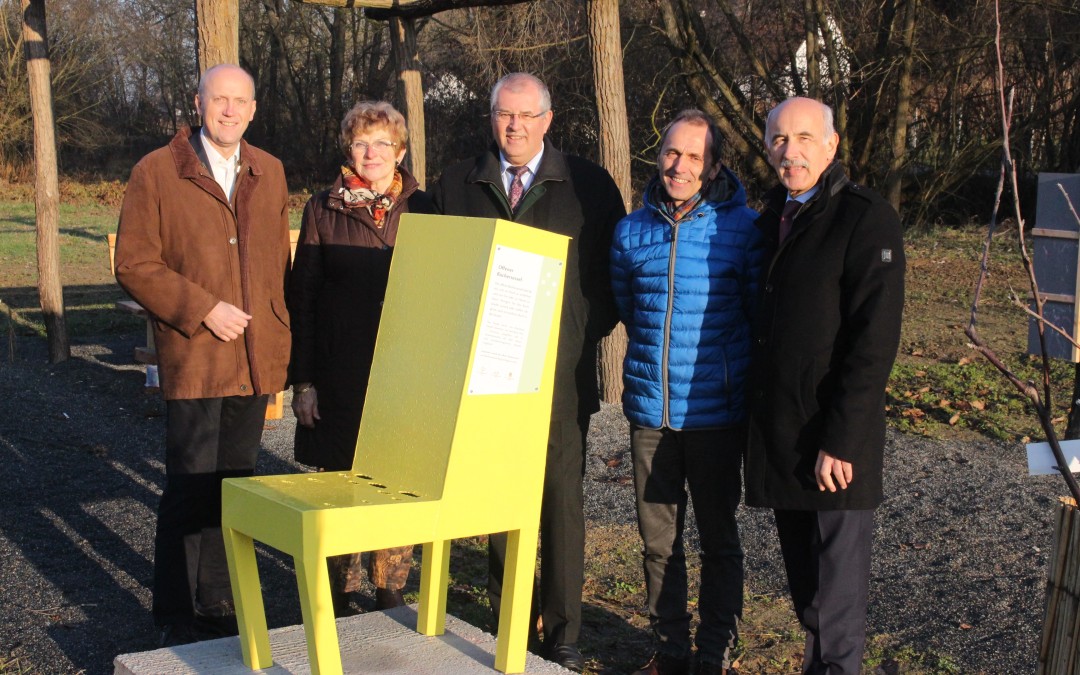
(388, 598)
(568, 657)
(176, 634)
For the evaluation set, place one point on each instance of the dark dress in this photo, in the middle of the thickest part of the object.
(335, 299)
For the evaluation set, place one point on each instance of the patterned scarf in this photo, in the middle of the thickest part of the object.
(356, 192)
(667, 207)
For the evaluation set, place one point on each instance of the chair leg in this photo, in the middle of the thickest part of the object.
(517, 591)
(247, 596)
(434, 580)
(317, 608)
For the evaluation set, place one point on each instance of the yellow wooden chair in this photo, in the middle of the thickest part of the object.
(452, 443)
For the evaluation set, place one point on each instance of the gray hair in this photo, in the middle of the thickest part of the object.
(826, 115)
(517, 82)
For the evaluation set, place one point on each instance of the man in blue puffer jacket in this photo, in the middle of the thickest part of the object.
(685, 270)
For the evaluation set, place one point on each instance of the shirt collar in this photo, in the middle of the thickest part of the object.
(212, 154)
(533, 163)
(805, 197)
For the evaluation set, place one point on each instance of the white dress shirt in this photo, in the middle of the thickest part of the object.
(223, 168)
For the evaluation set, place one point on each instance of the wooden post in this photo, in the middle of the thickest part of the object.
(604, 36)
(46, 184)
(218, 24)
(410, 94)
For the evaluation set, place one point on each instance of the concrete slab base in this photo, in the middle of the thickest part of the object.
(376, 642)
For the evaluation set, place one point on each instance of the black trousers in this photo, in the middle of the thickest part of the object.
(709, 462)
(562, 537)
(827, 556)
(206, 440)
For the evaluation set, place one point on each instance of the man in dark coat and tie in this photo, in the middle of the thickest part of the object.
(522, 177)
(825, 340)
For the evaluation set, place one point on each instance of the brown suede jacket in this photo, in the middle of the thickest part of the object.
(182, 248)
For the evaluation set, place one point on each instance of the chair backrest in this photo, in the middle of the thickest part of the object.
(424, 403)
(294, 237)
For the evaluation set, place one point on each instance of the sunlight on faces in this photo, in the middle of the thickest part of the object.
(684, 161)
(799, 147)
(226, 101)
(374, 164)
(521, 137)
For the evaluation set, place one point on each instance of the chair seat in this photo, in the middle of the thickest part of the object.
(342, 511)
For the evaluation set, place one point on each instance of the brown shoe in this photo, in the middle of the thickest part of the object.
(665, 664)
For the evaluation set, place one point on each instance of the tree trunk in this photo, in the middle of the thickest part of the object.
(337, 75)
(895, 181)
(219, 32)
(605, 38)
(410, 93)
(46, 184)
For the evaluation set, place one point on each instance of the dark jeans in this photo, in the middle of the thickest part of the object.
(562, 537)
(206, 440)
(827, 556)
(710, 463)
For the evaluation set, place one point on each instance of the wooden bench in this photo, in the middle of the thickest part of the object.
(452, 442)
(275, 406)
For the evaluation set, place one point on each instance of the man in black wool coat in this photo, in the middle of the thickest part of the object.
(825, 341)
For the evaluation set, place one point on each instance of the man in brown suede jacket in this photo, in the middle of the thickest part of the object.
(203, 245)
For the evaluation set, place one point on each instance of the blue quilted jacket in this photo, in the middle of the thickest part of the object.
(686, 292)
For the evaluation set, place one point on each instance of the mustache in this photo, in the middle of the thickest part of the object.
(799, 163)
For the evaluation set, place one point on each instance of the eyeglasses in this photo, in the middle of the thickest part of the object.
(506, 115)
(379, 145)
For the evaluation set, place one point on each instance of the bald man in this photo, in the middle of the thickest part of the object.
(826, 336)
(203, 245)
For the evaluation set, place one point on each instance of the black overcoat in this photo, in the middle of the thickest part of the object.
(335, 298)
(825, 341)
(570, 196)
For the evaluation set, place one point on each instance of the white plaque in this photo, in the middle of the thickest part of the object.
(519, 303)
(1041, 459)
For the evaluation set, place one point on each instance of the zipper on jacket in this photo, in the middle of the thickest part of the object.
(666, 421)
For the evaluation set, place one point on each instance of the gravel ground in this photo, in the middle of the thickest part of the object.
(959, 559)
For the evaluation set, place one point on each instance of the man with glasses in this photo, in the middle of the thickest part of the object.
(522, 178)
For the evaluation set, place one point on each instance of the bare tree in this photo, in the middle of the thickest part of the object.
(46, 184)
(218, 23)
(900, 122)
(410, 94)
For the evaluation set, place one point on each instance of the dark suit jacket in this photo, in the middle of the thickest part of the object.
(569, 196)
(825, 341)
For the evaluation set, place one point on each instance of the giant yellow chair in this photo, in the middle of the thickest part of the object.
(452, 442)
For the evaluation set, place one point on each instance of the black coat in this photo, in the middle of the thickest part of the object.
(335, 298)
(569, 196)
(825, 341)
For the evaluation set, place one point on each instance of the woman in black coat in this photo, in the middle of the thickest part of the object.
(336, 293)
